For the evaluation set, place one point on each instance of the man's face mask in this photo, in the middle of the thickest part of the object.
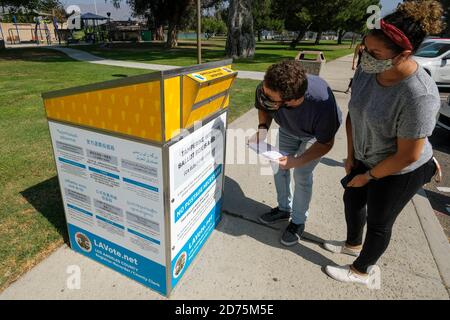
(266, 103)
(369, 64)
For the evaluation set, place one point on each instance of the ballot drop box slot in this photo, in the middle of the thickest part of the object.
(140, 166)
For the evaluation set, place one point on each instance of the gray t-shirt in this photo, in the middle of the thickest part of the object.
(380, 115)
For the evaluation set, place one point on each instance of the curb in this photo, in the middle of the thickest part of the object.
(439, 246)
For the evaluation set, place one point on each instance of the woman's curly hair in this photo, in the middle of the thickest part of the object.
(417, 19)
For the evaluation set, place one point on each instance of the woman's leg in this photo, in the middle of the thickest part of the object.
(355, 200)
(386, 199)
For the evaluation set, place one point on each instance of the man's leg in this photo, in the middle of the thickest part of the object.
(303, 178)
(288, 144)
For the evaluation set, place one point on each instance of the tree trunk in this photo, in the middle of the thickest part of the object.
(318, 38)
(172, 34)
(259, 35)
(240, 38)
(341, 36)
(158, 33)
(297, 40)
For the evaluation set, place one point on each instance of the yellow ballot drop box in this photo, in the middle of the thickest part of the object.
(140, 165)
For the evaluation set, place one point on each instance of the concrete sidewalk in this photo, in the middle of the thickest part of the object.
(244, 259)
(87, 57)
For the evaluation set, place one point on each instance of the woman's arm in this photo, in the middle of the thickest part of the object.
(408, 152)
(349, 162)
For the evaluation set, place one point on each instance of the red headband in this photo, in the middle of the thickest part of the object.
(396, 35)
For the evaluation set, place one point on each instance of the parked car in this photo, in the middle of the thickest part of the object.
(444, 115)
(429, 41)
(435, 59)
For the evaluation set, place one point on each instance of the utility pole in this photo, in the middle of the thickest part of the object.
(199, 32)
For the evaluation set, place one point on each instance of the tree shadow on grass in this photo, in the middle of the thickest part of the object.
(34, 55)
(45, 197)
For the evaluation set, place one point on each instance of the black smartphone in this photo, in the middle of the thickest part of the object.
(345, 181)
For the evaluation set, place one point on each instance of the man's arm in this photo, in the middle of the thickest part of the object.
(261, 134)
(317, 150)
(264, 118)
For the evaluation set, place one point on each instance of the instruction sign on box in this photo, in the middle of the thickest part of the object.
(141, 186)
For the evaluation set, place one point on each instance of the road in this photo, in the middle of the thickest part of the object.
(440, 201)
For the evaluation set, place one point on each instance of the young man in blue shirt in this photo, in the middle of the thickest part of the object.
(306, 111)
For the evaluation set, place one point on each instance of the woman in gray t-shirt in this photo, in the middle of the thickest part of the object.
(392, 112)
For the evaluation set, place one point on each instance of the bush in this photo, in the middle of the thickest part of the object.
(212, 26)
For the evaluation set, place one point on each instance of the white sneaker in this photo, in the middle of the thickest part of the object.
(345, 274)
(340, 247)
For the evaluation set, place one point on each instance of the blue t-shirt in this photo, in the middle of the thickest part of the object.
(317, 117)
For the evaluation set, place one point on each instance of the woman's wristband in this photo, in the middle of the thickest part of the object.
(372, 177)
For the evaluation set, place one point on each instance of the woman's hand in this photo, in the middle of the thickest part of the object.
(349, 164)
(359, 181)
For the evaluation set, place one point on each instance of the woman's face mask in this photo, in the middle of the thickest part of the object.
(369, 64)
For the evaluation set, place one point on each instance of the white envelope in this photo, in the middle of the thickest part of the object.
(266, 150)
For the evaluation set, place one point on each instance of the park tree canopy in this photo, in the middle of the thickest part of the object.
(320, 16)
(26, 10)
(264, 18)
(176, 14)
(446, 6)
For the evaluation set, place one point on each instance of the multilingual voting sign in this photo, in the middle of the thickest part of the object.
(140, 165)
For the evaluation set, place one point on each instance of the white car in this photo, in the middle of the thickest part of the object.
(444, 115)
(435, 59)
(429, 41)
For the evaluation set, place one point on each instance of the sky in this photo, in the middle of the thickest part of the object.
(124, 12)
(388, 6)
(102, 8)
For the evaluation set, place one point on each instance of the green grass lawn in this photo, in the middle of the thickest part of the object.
(267, 52)
(32, 223)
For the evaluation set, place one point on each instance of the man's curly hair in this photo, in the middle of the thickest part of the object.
(288, 78)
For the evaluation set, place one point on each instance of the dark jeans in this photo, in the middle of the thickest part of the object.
(379, 203)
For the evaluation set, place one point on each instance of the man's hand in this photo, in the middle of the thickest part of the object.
(258, 137)
(288, 162)
(359, 181)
